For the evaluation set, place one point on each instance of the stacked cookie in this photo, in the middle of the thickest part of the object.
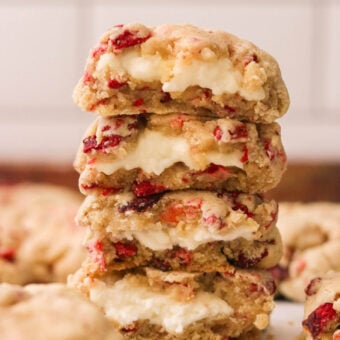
(174, 168)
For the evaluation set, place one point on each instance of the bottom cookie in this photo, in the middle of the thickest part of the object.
(150, 304)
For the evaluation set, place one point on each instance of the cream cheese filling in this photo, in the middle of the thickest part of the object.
(156, 152)
(129, 300)
(177, 74)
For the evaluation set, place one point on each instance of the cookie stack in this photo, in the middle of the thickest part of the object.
(174, 168)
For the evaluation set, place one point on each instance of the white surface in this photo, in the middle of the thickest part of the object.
(285, 321)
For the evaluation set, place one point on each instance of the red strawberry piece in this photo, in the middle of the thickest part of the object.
(146, 188)
(183, 256)
(240, 131)
(99, 50)
(130, 329)
(217, 171)
(160, 265)
(91, 161)
(279, 273)
(270, 286)
(243, 208)
(177, 122)
(176, 212)
(218, 133)
(138, 102)
(213, 220)
(140, 204)
(96, 251)
(313, 286)
(166, 97)
(242, 261)
(89, 143)
(7, 254)
(109, 191)
(125, 249)
(270, 150)
(319, 318)
(249, 59)
(127, 39)
(229, 108)
(106, 128)
(109, 142)
(244, 157)
(115, 84)
(87, 77)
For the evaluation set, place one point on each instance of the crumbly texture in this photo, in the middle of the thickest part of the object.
(249, 294)
(39, 240)
(50, 311)
(184, 230)
(322, 308)
(181, 68)
(311, 239)
(119, 154)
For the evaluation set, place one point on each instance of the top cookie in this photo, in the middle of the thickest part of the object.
(181, 68)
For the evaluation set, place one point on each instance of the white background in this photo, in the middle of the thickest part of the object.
(44, 44)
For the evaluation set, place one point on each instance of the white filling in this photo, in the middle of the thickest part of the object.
(167, 238)
(177, 75)
(127, 301)
(155, 152)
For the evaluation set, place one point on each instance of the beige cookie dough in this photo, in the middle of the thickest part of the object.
(39, 240)
(181, 68)
(311, 238)
(50, 312)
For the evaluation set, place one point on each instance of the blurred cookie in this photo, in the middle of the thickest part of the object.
(181, 68)
(311, 239)
(39, 240)
(50, 311)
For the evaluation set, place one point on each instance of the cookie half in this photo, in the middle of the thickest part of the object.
(322, 308)
(148, 154)
(181, 68)
(180, 305)
(184, 230)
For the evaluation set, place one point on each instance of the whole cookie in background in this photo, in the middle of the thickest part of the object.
(39, 240)
(50, 311)
(322, 308)
(311, 238)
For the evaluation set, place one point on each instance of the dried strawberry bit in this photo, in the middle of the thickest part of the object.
(183, 256)
(115, 84)
(109, 191)
(138, 102)
(244, 157)
(319, 319)
(127, 39)
(218, 133)
(140, 204)
(125, 249)
(147, 188)
(217, 171)
(240, 131)
(229, 108)
(87, 78)
(273, 216)
(177, 122)
(90, 186)
(96, 251)
(243, 208)
(164, 266)
(106, 128)
(89, 143)
(177, 212)
(249, 59)
(109, 142)
(214, 220)
(165, 98)
(130, 329)
(243, 261)
(207, 93)
(91, 161)
(99, 50)
(313, 286)
(270, 286)
(7, 254)
(270, 150)
(279, 273)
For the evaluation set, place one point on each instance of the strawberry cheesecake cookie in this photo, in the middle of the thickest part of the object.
(181, 68)
(183, 230)
(39, 240)
(151, 304)
(311, 239)
(147, 154)
(50, 311)
(322, 308)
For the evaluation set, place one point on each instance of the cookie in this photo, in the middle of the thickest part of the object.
(181, 68)
(181, 305)
(148, 154)
(39, 240)
(311, 238)
(50, 311)
(322, 308)
(183, 230)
